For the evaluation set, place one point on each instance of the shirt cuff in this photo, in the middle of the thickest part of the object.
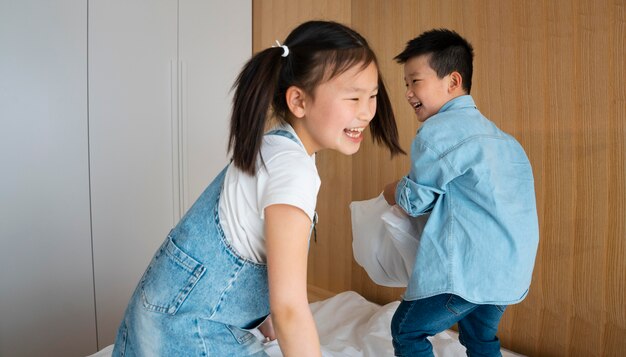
(415, 199)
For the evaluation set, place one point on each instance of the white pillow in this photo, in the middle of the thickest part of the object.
(385, 240)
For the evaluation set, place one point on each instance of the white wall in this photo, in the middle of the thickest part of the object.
(45, 261)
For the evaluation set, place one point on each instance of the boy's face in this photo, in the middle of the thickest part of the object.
(425, 92)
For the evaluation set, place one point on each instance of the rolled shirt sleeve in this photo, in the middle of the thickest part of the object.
(430, 173)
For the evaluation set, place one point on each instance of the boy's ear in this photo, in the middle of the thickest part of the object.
(295, 98)
(456, 82)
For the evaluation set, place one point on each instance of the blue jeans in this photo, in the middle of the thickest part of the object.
(416, 320)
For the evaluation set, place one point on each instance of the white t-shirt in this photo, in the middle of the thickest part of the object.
(289, 176)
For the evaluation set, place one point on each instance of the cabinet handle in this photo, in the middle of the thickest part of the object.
(178, 131)
(182, 134)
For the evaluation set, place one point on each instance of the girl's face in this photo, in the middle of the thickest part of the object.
(339, 112)
(425, 92)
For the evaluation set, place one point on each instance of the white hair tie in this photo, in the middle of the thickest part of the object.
(285, 49)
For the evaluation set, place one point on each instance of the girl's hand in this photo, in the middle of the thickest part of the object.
(267, 329)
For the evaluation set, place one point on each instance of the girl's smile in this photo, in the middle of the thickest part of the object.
(355, 133)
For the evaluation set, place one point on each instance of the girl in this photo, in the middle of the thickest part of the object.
(241, 250)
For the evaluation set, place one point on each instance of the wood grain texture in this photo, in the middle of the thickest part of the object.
(552, 74)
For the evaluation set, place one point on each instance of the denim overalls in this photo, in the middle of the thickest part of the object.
(197, 297)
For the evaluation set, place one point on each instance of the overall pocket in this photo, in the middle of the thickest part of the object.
(169, 279)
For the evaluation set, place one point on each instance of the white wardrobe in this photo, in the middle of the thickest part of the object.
(113, 119)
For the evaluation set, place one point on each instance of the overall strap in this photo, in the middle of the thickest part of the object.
(285, 133)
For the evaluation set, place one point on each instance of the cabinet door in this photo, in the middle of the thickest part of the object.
(132, 106)
(46, 281)
(160, 73)
(215, 41)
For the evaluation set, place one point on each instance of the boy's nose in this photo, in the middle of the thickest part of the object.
(409, 93)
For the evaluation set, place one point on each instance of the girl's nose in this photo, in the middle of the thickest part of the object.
(366, 111)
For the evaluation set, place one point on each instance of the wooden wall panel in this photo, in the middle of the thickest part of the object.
(330, 262)
(274, 19)
(552, 74)
(372, 166)
(615, 268)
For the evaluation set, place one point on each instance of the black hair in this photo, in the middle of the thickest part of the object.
(318, 51)
(448, 52)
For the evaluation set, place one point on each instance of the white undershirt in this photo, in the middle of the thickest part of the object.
(289, 176)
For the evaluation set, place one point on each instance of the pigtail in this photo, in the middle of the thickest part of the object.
(254, 91)
(383, 126)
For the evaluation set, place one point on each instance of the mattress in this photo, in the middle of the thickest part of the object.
(349, 325)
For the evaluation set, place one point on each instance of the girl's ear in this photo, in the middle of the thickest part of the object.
(296, 101)
(456, 82)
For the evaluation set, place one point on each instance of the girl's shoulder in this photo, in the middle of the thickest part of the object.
(280, 155)
(282, 141)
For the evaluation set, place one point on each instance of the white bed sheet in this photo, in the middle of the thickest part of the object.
(350, 326)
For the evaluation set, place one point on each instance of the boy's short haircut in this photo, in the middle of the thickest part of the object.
(449, 52)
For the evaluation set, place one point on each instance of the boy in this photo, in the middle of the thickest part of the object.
(477, 251)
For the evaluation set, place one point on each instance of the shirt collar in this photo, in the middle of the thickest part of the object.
(461, 102)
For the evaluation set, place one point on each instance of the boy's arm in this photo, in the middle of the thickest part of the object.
(430, 173)
(389, 193)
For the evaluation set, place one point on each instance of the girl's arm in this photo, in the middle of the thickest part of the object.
(287, 232)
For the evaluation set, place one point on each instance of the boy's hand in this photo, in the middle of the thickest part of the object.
(390, 193)
(267, 329)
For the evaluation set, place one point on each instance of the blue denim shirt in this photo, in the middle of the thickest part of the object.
(475, 180)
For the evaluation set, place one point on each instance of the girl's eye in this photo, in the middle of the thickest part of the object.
(374, 96)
